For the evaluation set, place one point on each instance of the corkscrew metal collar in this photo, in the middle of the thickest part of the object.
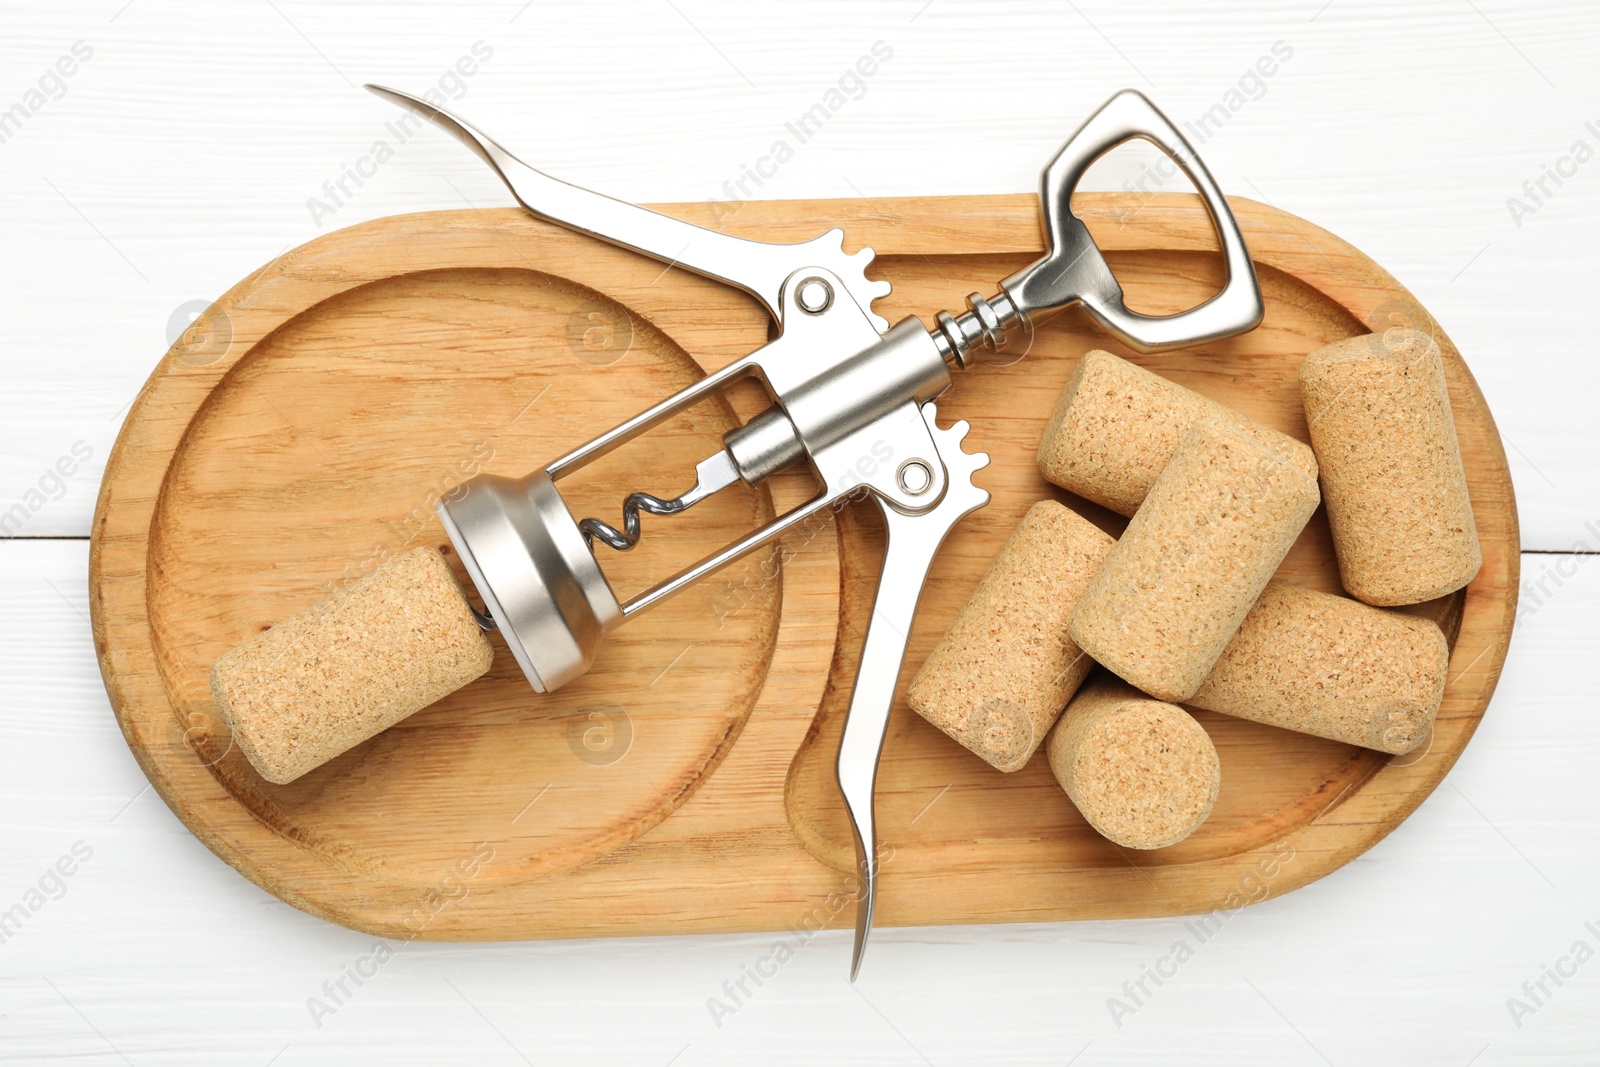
(847, 390)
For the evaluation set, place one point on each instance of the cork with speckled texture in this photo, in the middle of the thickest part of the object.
(1116, 425)
(1194, 557)
(321, 682)
(1143, 772)
(1001, 674)
(1333, 667)
(1379, 412)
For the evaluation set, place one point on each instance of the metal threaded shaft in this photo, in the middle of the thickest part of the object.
(984, 326)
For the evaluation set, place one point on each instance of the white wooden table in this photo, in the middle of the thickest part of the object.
(186, 147)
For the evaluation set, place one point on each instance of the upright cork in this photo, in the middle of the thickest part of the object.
(1142, 772)
(321, 682)
(1116, 425)
(1333, 667)
(1195, 556)
(1379, 412)
(1006, 667)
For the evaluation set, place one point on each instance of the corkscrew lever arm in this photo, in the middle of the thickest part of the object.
(913, 541)
(759, 268)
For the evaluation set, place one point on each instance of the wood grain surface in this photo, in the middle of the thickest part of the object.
(373, 369)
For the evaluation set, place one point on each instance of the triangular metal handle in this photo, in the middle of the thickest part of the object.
(1075, 271)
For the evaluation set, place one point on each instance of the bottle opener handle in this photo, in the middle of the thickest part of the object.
(1074, 270)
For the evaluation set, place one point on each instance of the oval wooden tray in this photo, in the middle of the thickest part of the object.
(301, 431)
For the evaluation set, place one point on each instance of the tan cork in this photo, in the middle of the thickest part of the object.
(1116, 425)
(1142, 772)
(1333, 667)
(1379, 412)
(999, 677)
(321, 682)
(1195, 556)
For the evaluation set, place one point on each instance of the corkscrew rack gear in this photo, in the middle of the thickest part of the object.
(844, 385)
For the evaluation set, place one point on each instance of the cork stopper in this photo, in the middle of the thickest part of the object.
(1333, 667)
(1004, 670)
(1142, 772)
(1379, 412)
(1116, 425)
(1214, 527)
(321, 682)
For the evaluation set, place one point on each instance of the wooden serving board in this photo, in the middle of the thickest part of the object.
(300, 433)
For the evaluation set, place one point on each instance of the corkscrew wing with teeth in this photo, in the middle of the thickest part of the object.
(754, 266)
(913, 540)
(852, 397)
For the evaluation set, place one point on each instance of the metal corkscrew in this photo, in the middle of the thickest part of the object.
(843, 384)
(715, 474)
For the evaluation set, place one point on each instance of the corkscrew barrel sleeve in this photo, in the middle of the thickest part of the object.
(535, 571)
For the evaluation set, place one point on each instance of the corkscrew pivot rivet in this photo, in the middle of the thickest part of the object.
(914, 476)
(814, 296)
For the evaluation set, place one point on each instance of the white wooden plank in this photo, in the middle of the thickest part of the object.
(184, 151)
(1406, 956)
